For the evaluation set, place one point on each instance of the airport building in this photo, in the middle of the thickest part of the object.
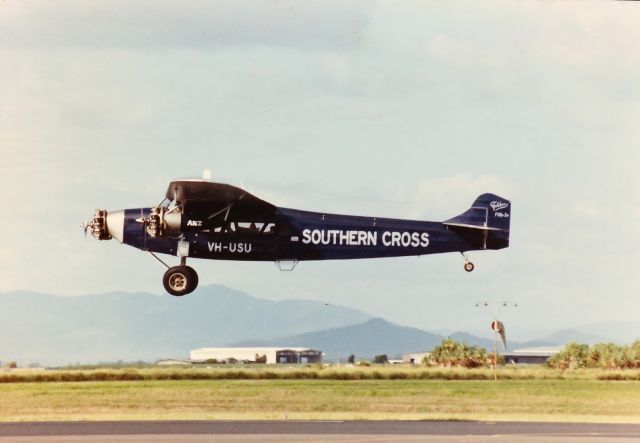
(272, 355)
(414, 357)
(531, 356)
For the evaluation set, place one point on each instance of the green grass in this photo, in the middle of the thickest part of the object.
(310, 372)
(334, 393)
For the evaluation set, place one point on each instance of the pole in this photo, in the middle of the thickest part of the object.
(493, 306)
(495, 355)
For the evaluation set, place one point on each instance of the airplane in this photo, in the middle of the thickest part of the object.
(204, 219)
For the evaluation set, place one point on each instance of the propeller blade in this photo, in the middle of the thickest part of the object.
(85, 227)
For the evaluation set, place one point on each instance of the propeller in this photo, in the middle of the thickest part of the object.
(85, 226)
(97, 224)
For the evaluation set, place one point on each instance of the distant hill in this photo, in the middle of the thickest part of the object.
(373, 337)
(56, 330)
(618, 332)
(487, 343)
(131, 326)
(568, 335)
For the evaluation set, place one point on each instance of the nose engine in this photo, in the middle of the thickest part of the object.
(106, 225)
(98, 225)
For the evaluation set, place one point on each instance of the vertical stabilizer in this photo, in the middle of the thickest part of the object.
(489, 214)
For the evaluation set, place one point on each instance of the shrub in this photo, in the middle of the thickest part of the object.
(451, 353)
(381, 359)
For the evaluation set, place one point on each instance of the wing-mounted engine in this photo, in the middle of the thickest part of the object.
(163, 221)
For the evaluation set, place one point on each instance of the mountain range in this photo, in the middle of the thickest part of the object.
(372, 337)
(55, 330)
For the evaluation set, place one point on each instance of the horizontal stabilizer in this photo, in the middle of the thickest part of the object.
(482, 228)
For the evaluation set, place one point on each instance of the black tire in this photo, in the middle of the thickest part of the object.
(179, 280)
(194, 280)
(468, 266)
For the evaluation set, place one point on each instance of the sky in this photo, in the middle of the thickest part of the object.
(404, 109)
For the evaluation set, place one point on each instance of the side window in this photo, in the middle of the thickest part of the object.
(247, 228)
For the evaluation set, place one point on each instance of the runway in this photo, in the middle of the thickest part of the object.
(317, 431)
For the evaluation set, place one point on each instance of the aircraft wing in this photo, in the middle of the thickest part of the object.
(210, 194)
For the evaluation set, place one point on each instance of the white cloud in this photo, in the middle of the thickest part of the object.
(587, 208)
(338, 67)
(582, 36)
(5, 254)
(461, 52)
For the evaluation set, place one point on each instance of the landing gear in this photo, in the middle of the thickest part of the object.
(468, 266)
(180, 280)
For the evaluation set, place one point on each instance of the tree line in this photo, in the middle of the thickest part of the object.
(451, 353)
(601, 355)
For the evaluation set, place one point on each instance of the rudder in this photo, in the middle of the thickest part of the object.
(490, 214)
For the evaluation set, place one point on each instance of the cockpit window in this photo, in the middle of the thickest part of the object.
(252, 227)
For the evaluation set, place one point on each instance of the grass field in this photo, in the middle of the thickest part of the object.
(311, 372)
(536, 394)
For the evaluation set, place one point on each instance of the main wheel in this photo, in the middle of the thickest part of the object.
(468, 266)
(180, 280)
(194, 276)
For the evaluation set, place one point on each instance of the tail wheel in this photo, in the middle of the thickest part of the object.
(468, 266)
(180, 280)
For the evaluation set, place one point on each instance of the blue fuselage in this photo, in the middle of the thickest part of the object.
(303, 235)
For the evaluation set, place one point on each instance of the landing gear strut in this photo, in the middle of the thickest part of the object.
(468, 266)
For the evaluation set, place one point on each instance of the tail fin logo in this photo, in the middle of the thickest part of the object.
(498, 205)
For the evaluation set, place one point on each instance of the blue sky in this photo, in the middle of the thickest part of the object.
(399, 109)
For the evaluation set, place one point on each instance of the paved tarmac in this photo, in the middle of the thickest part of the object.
(317, 431)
